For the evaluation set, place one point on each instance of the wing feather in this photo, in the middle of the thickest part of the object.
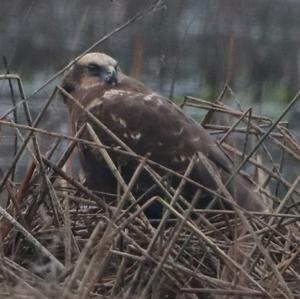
(150, 123)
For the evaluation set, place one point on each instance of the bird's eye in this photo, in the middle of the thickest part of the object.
(93, 67)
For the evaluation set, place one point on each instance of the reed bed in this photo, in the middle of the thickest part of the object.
(61, 240)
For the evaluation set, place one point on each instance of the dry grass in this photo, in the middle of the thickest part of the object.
(62, 240)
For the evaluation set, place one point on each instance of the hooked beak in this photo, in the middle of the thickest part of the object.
(111, 76)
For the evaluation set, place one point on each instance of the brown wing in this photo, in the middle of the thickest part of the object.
(149, 123)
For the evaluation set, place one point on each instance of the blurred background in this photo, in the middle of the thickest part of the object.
(190, 48)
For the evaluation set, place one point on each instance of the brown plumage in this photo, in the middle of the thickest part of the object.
(147, 123)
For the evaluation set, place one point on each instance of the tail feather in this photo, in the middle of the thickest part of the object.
(241, 189)
(243, 193)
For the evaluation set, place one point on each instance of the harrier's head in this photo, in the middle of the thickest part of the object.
(90, 70)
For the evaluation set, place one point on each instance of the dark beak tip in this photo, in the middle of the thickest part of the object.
(111, 79)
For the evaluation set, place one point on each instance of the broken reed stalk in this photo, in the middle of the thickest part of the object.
(202, 104)
(15, 115)
(263, 138)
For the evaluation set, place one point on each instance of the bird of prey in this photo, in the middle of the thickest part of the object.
(148, 123)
